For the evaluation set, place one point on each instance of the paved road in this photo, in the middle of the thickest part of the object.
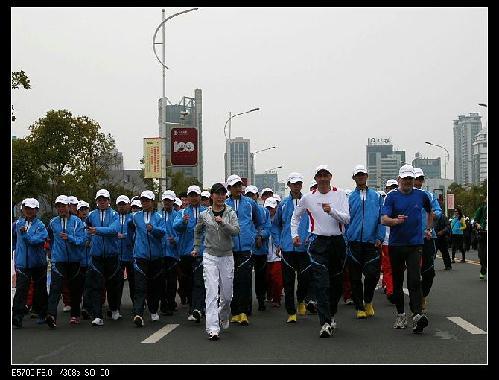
(268, 339)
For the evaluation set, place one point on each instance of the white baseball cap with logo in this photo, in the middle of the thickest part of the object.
(313, 183)
(205, 194)
(178, 202)
(294, 177)
(418, 172)
(82, 204)
(406, 171)
(270, 202)
(391, 182)
(62, 199)
(277, 197)
(31, 203)
(72, 200)
(194, 189)
(251, 189)
(147, 194)
(359, 169)
(122, 198)
(322, 167)
(267, 190)
(102, 193)
(233, 179)
(136, 203)
(168, 194)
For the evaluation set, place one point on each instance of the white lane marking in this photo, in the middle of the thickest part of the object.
(161, 333)
(406, 291)
(466, 325)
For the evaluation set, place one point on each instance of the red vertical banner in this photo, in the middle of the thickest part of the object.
(184, 146)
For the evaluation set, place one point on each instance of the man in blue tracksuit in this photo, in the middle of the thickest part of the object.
(66, 232)
(170, 255)
(191, 283)
(149, 229)
(260, 249)
(296, 262)
(364, 236)
(104, 271)
(28, 237)
(429, 250)
(250, 221)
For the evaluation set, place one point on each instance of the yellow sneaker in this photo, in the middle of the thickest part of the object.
(369, 309)
(423, 304)
(291, 318)
(236, 318)
(361, 314)
(243, 319)
(302, 308)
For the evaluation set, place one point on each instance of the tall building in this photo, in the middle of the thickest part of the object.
(383, 163)
(182, 124)
(267, 180)
(480, 157)
(465, 130)
(430, 166)
(239, 160)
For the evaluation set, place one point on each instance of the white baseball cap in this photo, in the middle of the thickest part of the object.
(322, 167)
(205, 194)
(295, 177)
(147, 194)
(277, 197)
(233, 179)
(62, 199)
(406, 171)
(382, 193)
(168, 194)
(122, 198)
(359, 169)
(194, 188)
(31, 203)
(251, 189)
(82, 204)
(391, 182)
(178, 202)
(313, 183)
(270, 202)
(102, 193)
(418, 172)
(267, 190)
(348, 191)
(72, 200)
(137, 203)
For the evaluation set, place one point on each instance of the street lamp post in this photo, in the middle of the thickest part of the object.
(164, 180)
(228, 140)
(445, 171)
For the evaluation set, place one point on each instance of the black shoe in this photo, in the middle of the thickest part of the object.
(312, 307)
(84, 314)
(17, 322)
(109, 314)
(420, 321)
(261, 306)
(197, 315)
(51, 321)
(448, 268)
(183, 300)
(463, 260)
(213, 337)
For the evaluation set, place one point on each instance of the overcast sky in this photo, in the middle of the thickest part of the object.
(325, 79)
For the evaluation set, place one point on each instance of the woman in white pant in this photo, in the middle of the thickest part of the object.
(219, 222)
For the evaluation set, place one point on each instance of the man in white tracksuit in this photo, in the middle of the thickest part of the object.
(219, 223)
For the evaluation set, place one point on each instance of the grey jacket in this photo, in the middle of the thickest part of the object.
(218, 237)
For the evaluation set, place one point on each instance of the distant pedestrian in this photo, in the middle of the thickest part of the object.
(457, 225)
(481, 224)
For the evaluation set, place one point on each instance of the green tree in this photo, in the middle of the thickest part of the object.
(68, 154)
(18, 78)
(468, 199)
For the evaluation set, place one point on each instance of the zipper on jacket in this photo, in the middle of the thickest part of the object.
(147, 233)
(26, 245)
(362, 225)
(65, 241)
(102, 217)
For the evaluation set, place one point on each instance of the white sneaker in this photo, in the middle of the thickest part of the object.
(191, 317)
(98, 322)
(116, 315)
(325, 330)
(224, 324)
(334, 326)
(66, 308)
(400, 321)
(155, 317)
